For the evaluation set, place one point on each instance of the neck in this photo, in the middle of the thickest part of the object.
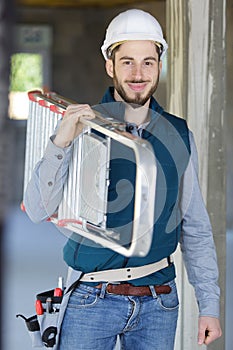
(138, 115)
(134, 113)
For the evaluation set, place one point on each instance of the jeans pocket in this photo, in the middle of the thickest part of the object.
(169, 301)
(82, 298)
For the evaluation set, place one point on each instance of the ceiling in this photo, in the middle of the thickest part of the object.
(77, 3)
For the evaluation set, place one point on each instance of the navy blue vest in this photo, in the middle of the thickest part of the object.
(169, 137)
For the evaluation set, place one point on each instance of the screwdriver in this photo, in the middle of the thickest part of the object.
(49, 305)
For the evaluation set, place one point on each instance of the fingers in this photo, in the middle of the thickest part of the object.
(75, 112)
(72, 123)
(201, 336)
(75, 115)
(209, 330)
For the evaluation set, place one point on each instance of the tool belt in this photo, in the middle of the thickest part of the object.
(44, 327)
(124, 274)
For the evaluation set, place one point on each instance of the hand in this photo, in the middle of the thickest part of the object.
(71, 125)
(209, 329)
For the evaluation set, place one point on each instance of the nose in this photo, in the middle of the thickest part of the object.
(137, 72)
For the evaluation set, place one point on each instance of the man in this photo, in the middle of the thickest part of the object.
(144, 311)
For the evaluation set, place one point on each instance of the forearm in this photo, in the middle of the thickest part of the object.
(44, 191)
(201, 266)
(200, 259)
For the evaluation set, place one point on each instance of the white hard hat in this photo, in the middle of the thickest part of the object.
(133, 25)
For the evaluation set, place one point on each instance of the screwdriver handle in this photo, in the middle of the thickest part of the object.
(39, 308)
(57, 292)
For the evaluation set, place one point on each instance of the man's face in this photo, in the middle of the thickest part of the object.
(135, 71)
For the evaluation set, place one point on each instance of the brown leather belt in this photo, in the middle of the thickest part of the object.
(129, 289)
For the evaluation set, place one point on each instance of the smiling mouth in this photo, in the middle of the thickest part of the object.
(138, 87)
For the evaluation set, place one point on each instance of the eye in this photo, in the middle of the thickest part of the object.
(149, 63)
(127, 63)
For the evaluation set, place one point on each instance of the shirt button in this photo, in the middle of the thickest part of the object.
(59, 156)
(50, 183)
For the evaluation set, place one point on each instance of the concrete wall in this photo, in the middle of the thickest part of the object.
(229, 180)
(197, 92)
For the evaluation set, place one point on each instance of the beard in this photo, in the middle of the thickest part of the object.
(138, 99)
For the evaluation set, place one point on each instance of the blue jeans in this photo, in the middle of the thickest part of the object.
(94, 318)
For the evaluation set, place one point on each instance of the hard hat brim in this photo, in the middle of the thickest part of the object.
(128, 37)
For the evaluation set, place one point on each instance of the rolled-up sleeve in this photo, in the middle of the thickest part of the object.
(197, 244)
(45, 188)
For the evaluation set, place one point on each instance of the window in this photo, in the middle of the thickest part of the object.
(30, 66)
(26, 74)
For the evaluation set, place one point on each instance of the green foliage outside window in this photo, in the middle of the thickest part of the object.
(26, 72)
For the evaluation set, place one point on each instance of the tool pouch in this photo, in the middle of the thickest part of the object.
(49, 320)
(44, 329)
(33, 327)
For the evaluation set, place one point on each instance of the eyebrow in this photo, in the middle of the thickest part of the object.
(152, 58)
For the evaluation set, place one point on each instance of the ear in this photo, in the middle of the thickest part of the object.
(109, 68)
(160, 66)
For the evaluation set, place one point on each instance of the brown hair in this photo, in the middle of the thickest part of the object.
(111, 52)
